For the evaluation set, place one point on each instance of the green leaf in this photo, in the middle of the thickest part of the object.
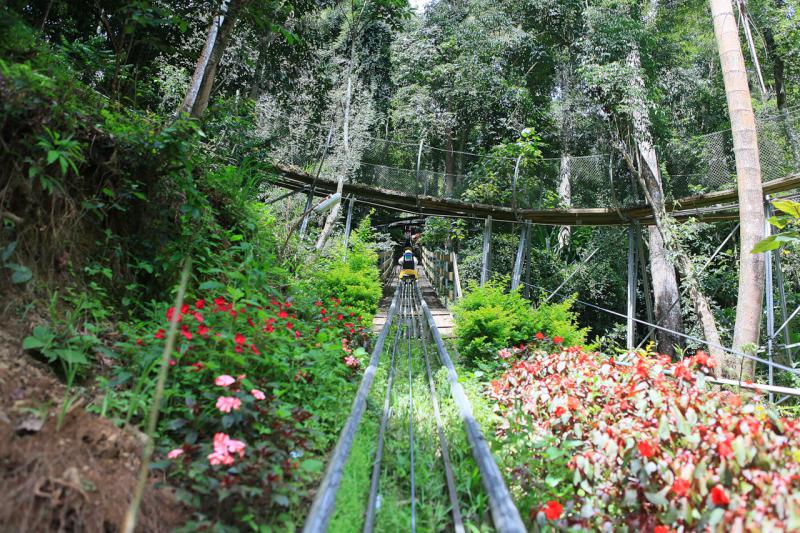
(7, 251)
(32, 343)
(52, 155)
(788, 206)
(312, 465)
(211, 286)
(20, 273)
(766, 245)
(73, 357)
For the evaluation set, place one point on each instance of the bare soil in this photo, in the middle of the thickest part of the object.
(80, 478)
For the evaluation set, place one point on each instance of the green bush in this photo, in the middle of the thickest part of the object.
(489, 319)
(355, 280)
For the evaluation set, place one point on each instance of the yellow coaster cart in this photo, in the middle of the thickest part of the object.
(408, 274)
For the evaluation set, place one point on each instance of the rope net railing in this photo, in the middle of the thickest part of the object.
(697, 165)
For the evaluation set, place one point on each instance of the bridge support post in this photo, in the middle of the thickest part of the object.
(769, 302)
(527, 291)
(456, 277)
(631, 338)
(348, 225)
(516, 276)
(487, 250)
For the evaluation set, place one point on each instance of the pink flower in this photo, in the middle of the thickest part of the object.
(218, 458)
(226, 404)
(174, 454)
(257, 394)
(224, 380)
(236, 446)
(224, 446)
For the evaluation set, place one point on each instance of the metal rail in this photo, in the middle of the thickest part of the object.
(505, 515)
(369, 520)
(458, 522)
(409, 327)
(325, 500)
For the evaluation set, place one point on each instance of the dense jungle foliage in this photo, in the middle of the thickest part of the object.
(144, 139)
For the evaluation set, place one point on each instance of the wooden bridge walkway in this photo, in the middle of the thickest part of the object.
(441, 315)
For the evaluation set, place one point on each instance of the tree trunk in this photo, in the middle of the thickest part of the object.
(748, 172)
(666, 295)
(202, 61)
(215, 56)
(449, 166)
(331, 220)
(665, 283)
(567, 135)
(564, 197)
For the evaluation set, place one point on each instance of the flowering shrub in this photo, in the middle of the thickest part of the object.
(256, 391)
(642, 443)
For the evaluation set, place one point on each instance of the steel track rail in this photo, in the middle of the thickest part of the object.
(325, 499)
(505, 515)
(369, 520)
(458, 522)
(409, 326)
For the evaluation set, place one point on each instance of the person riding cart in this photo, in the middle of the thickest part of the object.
(408, 265)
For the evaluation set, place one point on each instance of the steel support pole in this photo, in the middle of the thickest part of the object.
(631, 341)
(648, 297)
(528, 259)
(348, 225)
(487, 250)
(770, 305)
(516, 276)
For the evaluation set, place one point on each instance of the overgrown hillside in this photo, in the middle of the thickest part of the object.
(103, 206)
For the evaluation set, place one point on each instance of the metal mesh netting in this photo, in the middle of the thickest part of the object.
(697, 165)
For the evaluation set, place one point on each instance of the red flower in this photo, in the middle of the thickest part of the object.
(553, 510)
(339, 316)
(139, 342)
(558, 340)
(287, 305)
(172, 362)
(172, 317)
(324, 319)
(185, 332)
(254, 349)
(184, 309)
(202, 330)
(318, 303)
(239, 339)
(200, 304)
(661, 529)
(296, 334)
(681, 487)
(222, 305)
(573, 403)
(322, 311)
(159, 334)
(560, 411)
(197, 316)
(289, 325)
(719, 496)
(702, 358)
(647, 449)
(725, 449)
(276, 303)
(539, 336)
(283, 314)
